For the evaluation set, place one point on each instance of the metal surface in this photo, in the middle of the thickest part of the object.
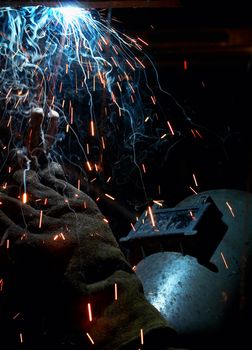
(193, 297)
(98, 4)
(186, 229)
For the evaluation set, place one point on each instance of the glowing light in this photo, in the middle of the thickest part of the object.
(24, 198)
(193, 190)
(230, 209)
(90, 338)
(224, 260)
(142, 336)
(21, 337)
(90, 317)
(195, 180)
(40, 218)
(151, 216)
(109, 196)
(116, 295)
(69, 12)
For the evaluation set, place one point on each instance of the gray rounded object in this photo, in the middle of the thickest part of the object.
(193, 298)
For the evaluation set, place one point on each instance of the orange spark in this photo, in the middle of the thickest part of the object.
(142, 41)
(224, 260)
(89, 166)
(193, 190)
(116, 295)
(133, 227)
(170, 127)
(131, 66)
(62, 236)
(144, 169)
(107, 195)
(230, 209)
(140, 62)
(195, 181)
(158, 203)
(153, 99)
(90, 317)
(21, 337)
(92, 128)
(142, 336)
(89, 337)
(185, 65)
(40, 218)
(103, 143)
(1, 284)
(24, 198)
(151, 216)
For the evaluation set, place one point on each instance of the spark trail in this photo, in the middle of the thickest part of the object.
(71, 60)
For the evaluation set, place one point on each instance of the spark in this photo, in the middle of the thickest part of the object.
(16, 316)
(40, 218)
(116, 295)
(193, 190)
(151, 216)
(89, 166)
(90, 317)
(224, 260)
(62, 236)
(21, 337)
(133, 227)
(24, 198)
(1, 284)
(195, 180)
(158, 203)
(105, 220)
(144, 168)
(142, 336)
(107, 195)
(170, 127)
(230, 209)
(185, 65)
(142, 41)
(7, 244)
(78, 184)
(90, 338)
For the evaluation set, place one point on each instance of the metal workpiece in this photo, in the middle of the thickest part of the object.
(197, 298)
(186, 229)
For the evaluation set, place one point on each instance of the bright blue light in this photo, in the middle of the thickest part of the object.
(69, 12)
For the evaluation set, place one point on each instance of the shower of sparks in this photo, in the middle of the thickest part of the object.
(90, 316)
(73, 60)
(224, 260)
(230, 209)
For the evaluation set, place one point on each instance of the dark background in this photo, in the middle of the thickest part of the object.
(214, 91)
